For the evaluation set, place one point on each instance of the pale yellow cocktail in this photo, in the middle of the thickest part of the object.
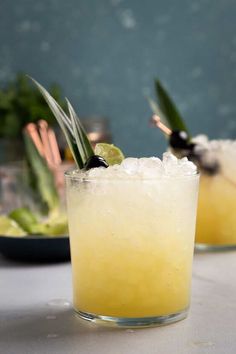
(216, 222)
(132, 239)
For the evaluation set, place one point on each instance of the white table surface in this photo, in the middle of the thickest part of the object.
(36, 315)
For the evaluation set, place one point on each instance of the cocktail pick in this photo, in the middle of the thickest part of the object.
(178, 139)
(156, 120)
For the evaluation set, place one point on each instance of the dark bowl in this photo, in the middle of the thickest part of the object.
(36, 248)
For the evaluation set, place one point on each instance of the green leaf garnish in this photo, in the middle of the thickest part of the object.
(156, 110)
(80, 135)
(169, 109)
(72, 128)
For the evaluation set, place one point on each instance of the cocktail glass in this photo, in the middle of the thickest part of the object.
(131, 246)
(216, 223)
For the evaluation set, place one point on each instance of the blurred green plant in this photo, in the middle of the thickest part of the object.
(21, 103)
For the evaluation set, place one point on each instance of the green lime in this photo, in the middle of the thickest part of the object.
(25, 218)
(56, 229)
(9, 227)
(112, 154)
(29, 222)
(56, 225)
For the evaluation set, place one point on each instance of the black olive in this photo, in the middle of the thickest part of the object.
(180, 140)
(95, 161)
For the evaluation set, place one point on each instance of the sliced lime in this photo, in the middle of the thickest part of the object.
(112, 154)
(56, 225)
(28, 221)
(56, 228)
(25, 218)
(9, 227)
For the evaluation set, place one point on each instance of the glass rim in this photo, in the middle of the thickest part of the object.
(80, 176)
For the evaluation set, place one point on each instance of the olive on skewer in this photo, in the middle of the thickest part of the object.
(95, 161)
(181, 144)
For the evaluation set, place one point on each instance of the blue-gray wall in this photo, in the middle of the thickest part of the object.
(105, 54)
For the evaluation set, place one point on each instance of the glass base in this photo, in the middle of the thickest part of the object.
(136, 322)
(205, 247)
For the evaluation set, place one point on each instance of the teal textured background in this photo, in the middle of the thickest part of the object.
(106, 53)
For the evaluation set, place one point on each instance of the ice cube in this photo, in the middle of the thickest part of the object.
(150, 167)
(187, 168)
(130, 165)
(149, 162)
(183, 160)
(97, 172)
(177, 167)
(169, 159)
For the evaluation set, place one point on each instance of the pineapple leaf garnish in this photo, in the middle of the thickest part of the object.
(169, 109)
(71, 126)
(80, 135)
(156, 110)
(78, 139)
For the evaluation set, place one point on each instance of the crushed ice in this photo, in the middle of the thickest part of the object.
(151, 167)
(203, 143)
